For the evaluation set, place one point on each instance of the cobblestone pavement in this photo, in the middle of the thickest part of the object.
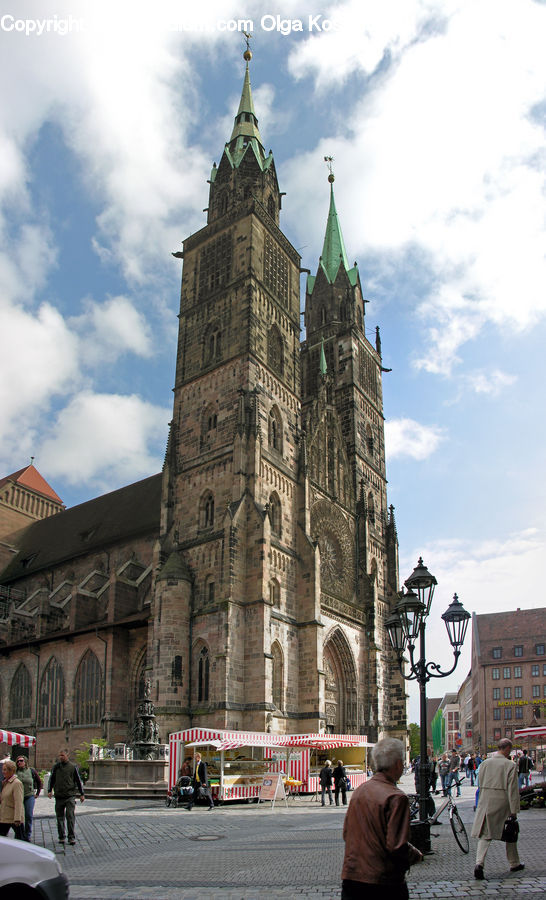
(141, 851)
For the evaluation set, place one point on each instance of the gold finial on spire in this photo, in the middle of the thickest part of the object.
(248, 53)
(329, 160)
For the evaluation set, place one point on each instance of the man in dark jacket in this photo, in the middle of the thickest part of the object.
(200, 782)
(325, 779)
(376, 832)
(340, 782)
(65, 781)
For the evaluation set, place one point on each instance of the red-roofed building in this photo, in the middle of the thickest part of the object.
(24, 497)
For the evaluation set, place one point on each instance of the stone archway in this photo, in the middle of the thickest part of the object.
(340, 701)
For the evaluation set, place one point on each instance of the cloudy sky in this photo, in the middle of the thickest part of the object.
(435, 114)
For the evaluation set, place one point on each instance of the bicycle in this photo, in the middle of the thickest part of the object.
(457, 825)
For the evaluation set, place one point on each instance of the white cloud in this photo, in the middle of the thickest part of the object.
(489, 383)
(442, 155)
(405, 437)
(111, 329)
(106, 439)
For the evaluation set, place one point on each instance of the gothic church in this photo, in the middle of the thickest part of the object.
(250, 581)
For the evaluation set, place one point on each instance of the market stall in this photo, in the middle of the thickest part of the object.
(14, 739)
(530, 737)
(237, 761)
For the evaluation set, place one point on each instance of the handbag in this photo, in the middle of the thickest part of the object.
(510, 831)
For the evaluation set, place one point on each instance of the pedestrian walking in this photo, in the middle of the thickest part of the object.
(498, 801)
(325, 778)
(340, 782)
(66, 783)
(32, 785)
(12, 810)
(376, 832)
(525, 764)
(454, 771)
(200, 783)
(443, 770)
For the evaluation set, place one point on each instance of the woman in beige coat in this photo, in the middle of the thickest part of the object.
(12, 811)
(498, 801)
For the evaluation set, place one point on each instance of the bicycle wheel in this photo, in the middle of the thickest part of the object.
(459, 831)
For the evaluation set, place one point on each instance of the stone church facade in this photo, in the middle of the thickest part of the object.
(251, 580)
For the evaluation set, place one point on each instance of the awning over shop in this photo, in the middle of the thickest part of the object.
(537, 731)
(12, 738)
(232, 740)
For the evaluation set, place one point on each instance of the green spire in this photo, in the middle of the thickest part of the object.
(245, 129)
(333, 250)
(323, 368)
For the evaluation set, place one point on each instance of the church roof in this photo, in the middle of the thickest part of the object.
(30, 477)
(108, 519)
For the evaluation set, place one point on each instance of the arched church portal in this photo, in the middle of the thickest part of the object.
(340, 686)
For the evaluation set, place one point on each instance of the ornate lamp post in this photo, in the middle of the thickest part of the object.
(405, 625)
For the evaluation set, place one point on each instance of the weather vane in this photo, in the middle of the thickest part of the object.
(329, 160)
(248, 52)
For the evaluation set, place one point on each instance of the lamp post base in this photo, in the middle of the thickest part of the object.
(420, 836)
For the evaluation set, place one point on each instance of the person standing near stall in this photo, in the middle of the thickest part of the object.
(12, 810)
(32, 785)
(325, 778)
(200, 782)
(340, 782)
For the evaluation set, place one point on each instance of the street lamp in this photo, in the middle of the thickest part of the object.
(405, 624)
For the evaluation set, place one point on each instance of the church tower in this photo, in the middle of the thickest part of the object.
(277, 558)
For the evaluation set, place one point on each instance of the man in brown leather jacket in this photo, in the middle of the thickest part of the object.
(376, 832)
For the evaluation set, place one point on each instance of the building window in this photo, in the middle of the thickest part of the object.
(275, 350)
(274, 430)
(496, 713)
(518, 692)
(51, 697)
(507, 693)
(274, 592)
(517, 671)
(203, 676)
(518, 651)
(495, 673)
(207, 511)
(215, 265)
(519, 712)
(536, 690)
(544, 668)
(277, 675)
(496, 693)
(371, 509)
(496, 734)
(497, 652)
(544, 689)
(506, 672)
(535, 670)
(176, 670)
(275, 269)
(275, 514)
(213, 345)
(508, 712)
(209, 589)
(540, 649)
(508, 732)
(88, 691)
(369, 439)
(20, 695)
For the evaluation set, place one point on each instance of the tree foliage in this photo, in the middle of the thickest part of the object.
(414, 739)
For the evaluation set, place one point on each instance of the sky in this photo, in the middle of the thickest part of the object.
(435, 114)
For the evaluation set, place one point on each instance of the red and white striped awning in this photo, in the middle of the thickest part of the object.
(537, 731)
(231, 740)
(12, 738)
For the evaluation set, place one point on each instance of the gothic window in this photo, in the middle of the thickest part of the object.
(274, 592)
(215, 265)
(277, 675)
(209, 589)
(20, 695)
(274, 430)
(209, 424)
(203, 675)
(223, 203)
(371, 508)
(275, 266)
(177, 670)
(88, 691)
(275, 350)
(275, 514)
(51, 696)
(271, 207)
(369, 439)
(141, 680)
(206, 517)
(323, 315)
(213, 344)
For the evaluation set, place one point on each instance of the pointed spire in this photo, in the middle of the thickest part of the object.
(245, 132)
(334, 253)
(323, 368)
